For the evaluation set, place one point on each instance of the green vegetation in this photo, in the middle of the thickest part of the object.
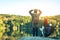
(19, 26)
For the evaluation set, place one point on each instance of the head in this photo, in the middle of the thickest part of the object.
(35, 11)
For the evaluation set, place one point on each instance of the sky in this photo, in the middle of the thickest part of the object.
(22, 7)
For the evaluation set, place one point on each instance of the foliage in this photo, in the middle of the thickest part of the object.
(12, 24)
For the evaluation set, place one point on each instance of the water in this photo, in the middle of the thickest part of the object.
(36, 38)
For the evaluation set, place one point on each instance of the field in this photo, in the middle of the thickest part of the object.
(15, 26)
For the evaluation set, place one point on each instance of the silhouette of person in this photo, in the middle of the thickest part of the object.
(35, 20)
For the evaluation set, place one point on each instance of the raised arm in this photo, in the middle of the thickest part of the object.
(31, 12)
(39, 12)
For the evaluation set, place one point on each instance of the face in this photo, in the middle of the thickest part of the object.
(35, 10)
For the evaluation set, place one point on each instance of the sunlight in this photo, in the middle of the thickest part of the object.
(48, 8)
